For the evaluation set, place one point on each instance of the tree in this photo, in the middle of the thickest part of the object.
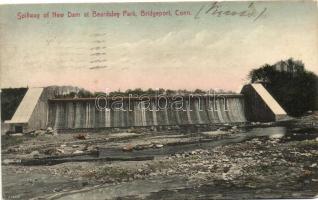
(10, 100)
(290, 84)
(199, 91)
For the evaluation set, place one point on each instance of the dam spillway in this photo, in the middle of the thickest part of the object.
(53, 107)
(83, 113)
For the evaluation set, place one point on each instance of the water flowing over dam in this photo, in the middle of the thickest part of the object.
(52, 107)
(83, 113)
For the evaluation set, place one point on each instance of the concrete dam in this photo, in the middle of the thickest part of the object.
(41, 108)
(83, 113)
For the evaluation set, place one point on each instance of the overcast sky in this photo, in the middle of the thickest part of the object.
(167, 52)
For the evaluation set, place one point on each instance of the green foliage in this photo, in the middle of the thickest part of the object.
(10, 100)
(292, 86)
(198, 91)
(84, 94)
(79, 94)
(139, 92)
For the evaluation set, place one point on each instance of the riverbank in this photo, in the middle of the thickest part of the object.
(255, 162)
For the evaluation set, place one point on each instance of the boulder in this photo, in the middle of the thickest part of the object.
(51, 131)
(39, 132)
(61, 151)
(35, 154)
(78, 152)
(17, 135)
(81, 136)
(128, 147)
(51, 151)
(193, 152)
(159, 145)
(8, 161)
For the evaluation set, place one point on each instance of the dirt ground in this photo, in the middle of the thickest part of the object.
(228, 162)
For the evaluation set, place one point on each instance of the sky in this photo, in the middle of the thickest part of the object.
(172, 52)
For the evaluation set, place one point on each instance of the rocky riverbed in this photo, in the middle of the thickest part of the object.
(267, 161)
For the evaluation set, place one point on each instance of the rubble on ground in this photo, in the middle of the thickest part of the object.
(275, 164)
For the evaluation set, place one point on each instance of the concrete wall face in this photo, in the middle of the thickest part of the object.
(84, 114)
(39, 118)
(258, 108)
(255, 109)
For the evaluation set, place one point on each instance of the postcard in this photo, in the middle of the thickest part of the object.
(159, 100)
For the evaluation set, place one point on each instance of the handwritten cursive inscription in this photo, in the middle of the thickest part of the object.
(215, 9)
